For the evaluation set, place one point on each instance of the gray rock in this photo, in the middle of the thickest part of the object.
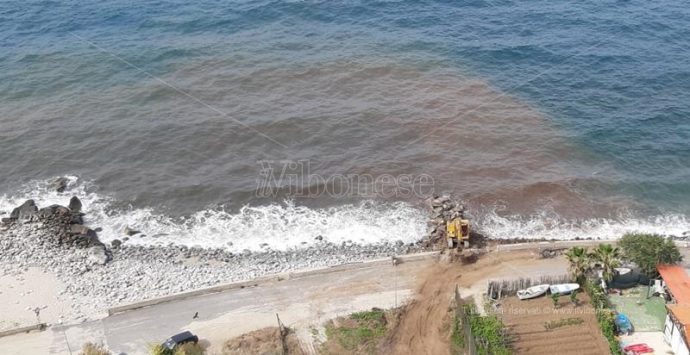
(440, 201)
(59, 184)
(79, 229)
(75, 204)
(26, 211)
(53, 211)
(97, 255)
(130, 232)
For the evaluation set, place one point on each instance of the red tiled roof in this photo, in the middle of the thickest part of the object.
(677, 281)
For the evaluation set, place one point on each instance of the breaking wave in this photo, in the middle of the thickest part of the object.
(287, 225)
(278, 226)
(549, 225)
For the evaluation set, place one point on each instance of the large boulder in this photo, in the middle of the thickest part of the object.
(53, 211)
(75, 204)
(27, 211)
(59, 184)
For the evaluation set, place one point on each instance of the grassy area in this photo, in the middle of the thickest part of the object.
(488, 332)
(359, 332)
(646, 314)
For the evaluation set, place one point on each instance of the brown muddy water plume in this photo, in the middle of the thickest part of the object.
(184, 144)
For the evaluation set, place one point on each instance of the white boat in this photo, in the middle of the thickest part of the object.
(563, 288)
(622, 270)
(532, 292)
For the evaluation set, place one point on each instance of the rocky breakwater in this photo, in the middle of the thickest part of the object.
(442, 209)
(58, 226)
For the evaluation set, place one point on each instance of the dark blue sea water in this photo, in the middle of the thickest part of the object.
(551, 118)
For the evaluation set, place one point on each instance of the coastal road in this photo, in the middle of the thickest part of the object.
(300, 301)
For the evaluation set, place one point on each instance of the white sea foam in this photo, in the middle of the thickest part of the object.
(280, 226)
(287, 225)
(548, 225)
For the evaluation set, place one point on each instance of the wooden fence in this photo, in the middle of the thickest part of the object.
(469, 341)
(497, 289)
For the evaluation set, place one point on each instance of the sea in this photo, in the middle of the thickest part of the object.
(236, 124)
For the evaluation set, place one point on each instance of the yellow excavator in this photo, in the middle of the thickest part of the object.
(458, 232)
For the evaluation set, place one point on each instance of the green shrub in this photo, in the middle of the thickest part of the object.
(189, 349)
(457, 336)
(649, 250)
(555, 297)
(94, 349)
(487, 332)
(573, 297)
(182, 349)
(159, 349)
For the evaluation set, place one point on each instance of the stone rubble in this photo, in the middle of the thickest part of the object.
(442, 210)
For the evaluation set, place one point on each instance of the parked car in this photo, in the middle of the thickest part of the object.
(181, 338)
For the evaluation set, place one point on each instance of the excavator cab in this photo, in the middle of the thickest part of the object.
(458, 231)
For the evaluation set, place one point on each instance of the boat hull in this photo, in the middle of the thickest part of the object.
(532, 292)
(563, 288)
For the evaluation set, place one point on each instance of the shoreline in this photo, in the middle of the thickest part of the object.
(79, 278)
(84, 289)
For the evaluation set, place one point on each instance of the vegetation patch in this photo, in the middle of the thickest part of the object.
(457, 337)
(488, 332)
(94, 349)
(266, 341)
(359, 333)
(554, 324)
(648, 250)
(605, 316)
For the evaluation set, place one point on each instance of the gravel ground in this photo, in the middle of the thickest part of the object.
(136, 273)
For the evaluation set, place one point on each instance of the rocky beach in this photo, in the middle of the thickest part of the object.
(87, 276)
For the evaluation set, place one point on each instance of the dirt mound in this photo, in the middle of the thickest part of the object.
(264, 341)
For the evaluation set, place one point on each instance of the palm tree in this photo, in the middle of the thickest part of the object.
(580, 263)
(609, 258)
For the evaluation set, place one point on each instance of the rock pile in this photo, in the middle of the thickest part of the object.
(61, 227)
(442, 209)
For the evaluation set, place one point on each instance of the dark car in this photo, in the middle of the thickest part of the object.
(181, 338)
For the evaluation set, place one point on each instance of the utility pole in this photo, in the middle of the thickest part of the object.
(395, 273)
(66, 341)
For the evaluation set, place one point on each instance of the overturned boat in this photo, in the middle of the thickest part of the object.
(532, 292)
(563, 289)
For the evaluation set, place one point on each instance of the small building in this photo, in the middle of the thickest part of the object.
(677, 322)
(676, 328)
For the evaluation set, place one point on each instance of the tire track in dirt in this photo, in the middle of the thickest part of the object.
(424, 325)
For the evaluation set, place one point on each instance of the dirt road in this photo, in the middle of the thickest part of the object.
(425, 326)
